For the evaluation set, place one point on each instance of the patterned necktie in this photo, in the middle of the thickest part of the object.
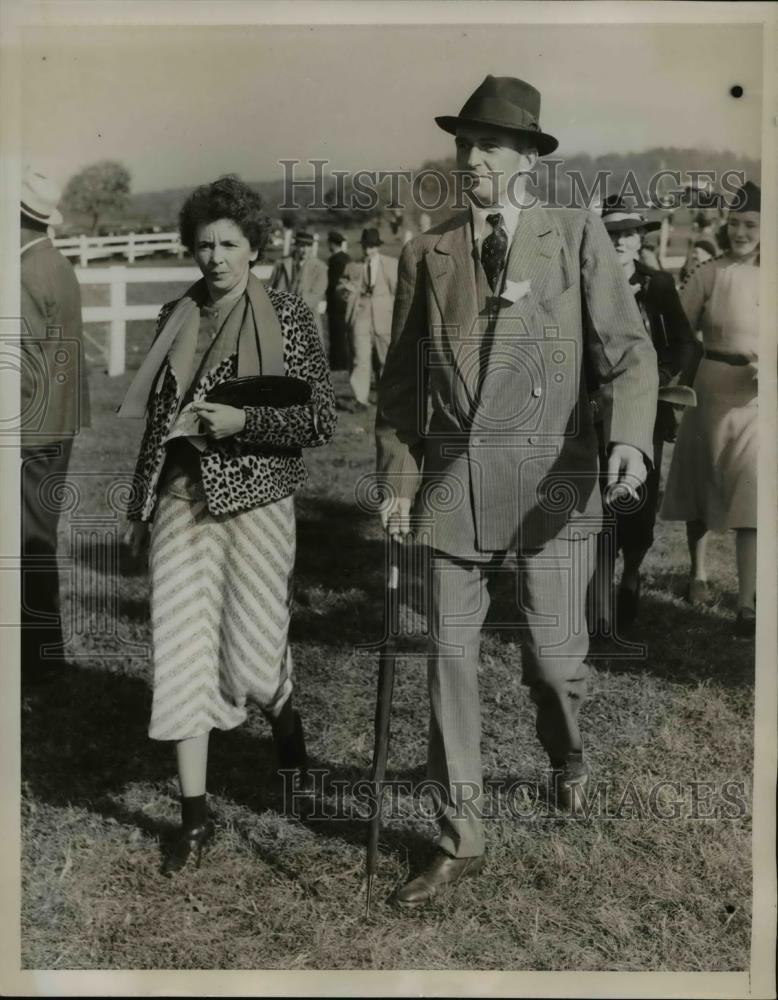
(494, 249)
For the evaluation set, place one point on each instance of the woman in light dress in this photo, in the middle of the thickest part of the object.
(712, 479)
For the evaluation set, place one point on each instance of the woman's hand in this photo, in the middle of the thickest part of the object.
(136, 538)
(220, 421)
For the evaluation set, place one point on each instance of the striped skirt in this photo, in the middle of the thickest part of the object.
(220, 603)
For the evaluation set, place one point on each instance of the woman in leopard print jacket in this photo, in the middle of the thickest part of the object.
(216, 482)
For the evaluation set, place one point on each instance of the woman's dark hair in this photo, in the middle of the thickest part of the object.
(226, 198)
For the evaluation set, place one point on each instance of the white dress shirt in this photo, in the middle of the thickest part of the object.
(481, 228)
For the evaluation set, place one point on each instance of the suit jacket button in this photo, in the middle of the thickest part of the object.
(537, 391)
(533, 440)
(477, 441)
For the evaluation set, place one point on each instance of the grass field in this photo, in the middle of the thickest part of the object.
(630, 889)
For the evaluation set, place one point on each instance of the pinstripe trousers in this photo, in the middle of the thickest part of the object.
(551, 593)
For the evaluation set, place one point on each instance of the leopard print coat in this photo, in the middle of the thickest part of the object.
(251, 468)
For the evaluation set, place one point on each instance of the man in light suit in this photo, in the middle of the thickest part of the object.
(368, 288)
(305, 275)
(483, 418)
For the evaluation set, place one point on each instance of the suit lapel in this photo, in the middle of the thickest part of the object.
(535, 245)
(452, 274)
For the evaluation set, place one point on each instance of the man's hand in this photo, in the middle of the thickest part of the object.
(220, 421)
(396, 517)
(626, 471)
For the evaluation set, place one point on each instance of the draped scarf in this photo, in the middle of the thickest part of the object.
(254, 326)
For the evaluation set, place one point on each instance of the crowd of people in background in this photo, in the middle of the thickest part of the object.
(221, 453)
(703, 323)
(354, 312)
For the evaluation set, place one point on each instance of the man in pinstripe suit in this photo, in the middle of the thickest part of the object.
(503, 316)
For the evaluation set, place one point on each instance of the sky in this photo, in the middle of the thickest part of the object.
(181, 105)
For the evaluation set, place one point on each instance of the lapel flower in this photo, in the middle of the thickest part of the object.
(515, 290)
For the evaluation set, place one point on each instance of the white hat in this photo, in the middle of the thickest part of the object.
(40, 196)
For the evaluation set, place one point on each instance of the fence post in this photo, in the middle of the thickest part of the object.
(83, 250)
(287, 242)
(131, 249)
(118, 332)
(315, 245)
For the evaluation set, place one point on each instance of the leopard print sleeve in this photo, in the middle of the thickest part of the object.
(299, 426)
(135, 504)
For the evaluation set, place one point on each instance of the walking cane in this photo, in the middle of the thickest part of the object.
(386, 663)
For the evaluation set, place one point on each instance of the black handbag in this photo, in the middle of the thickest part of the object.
(277, 391)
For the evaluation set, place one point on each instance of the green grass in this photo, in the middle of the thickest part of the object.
(100, 800)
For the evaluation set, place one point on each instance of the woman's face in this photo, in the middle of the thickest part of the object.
(224, 255)
(743, 232)
(627, 245)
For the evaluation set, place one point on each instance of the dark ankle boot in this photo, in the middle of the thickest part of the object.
(289, 739)
(197, 831)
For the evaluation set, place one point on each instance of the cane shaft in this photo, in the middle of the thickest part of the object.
(386, 666)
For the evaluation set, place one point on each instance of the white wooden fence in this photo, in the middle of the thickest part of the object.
(134, 245)
(129, 245)
(118, 312)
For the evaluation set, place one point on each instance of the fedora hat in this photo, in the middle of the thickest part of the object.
(303, 239)
(617, 216)
(371, 238)
(40, 196)
(504, 102)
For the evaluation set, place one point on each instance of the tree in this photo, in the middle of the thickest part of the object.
(100, 188)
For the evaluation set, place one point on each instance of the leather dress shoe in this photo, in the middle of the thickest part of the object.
(570, 784)
(444, 870)
(190, 845)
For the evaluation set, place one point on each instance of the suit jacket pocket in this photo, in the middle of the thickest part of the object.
(559, 298)
(563, 312)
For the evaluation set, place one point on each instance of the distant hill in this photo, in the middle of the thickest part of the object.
(161, 208)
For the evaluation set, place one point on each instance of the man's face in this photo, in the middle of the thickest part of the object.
(626, 242)
(370, 252)
(303, 251)
(492, 162)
